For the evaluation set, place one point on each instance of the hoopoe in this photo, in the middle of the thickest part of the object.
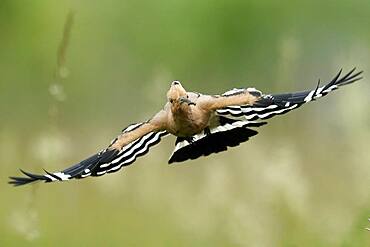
(203, 124)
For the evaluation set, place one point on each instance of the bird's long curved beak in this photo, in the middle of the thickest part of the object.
(186, 100)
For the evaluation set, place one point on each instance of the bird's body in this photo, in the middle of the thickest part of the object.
(203, 124)
(186, 113)
(186, 120)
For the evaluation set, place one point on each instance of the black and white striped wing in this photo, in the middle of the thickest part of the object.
(276, 104)
(106, 161)
(235, 122)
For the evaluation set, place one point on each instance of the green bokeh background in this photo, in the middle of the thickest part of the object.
(303, 181)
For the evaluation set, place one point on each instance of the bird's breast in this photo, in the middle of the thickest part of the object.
(188, 123)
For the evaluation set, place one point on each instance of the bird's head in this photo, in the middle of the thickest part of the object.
(177, 96)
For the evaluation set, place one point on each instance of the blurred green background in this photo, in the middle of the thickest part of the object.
(303, 181)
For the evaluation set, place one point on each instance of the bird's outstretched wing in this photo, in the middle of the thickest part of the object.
(271, 105)
(134, 141)
(235, 122)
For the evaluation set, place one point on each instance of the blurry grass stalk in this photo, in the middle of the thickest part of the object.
(61, 73)
(25, 221)
(53, 140)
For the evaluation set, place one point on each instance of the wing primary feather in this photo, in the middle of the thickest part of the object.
(283, 103)
(95, 165)
(52, 175)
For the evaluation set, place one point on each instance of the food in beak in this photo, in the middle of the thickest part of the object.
(186, 100)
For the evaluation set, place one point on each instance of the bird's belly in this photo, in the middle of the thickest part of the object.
(187, 131)
(189, 127)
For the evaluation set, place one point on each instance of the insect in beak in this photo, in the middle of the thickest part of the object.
(186, 100)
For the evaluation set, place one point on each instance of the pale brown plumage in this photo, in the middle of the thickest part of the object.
(185, 114)
(203, 124)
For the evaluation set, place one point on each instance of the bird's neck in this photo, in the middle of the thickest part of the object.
(181, 113)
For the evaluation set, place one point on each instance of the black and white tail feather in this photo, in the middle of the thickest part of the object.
(106, 161)
(235, 121)
(229, 133)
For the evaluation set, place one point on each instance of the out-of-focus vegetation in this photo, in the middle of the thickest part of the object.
(303, 181)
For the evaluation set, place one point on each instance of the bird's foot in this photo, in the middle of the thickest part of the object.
(190, 139)
(207, 131)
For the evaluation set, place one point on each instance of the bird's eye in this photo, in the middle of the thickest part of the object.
(171, 100)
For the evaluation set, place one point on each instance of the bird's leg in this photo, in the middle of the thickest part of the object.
(207, 131)
(190, 139)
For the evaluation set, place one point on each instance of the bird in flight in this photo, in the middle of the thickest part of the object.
(203, 124)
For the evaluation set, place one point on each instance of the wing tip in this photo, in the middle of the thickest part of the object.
(29, 178)
(351, 77)
(18, 181)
